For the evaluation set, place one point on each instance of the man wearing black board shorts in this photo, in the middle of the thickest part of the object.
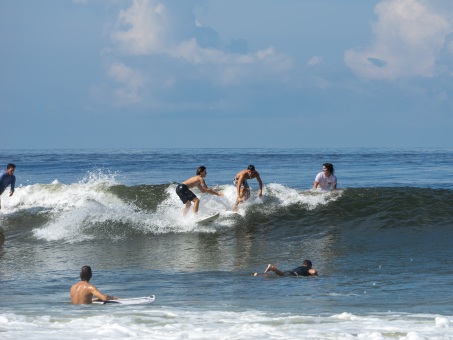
(187, 196)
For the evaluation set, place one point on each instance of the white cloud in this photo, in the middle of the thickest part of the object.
(125, 75)
(142, 29)
(409, 37)
(315, 60)
(130, 83)
(152, 27)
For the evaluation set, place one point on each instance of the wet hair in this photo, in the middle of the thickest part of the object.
(85, 273)
(200, 169)
(307, 263)
(329, 167)
(10, 165)
(251, 167)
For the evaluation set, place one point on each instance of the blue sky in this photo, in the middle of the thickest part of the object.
(210, 73)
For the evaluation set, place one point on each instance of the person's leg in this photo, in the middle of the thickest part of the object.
(240, 199)
(269, 268)
(272, 268)
(245, 194)
(196, 203)
(186, 209)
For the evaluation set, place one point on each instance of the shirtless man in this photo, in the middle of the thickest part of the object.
(304, 270)
(243, 189)
(82, 292)
(187, 196)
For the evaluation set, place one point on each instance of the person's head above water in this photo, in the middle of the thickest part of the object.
(85, 273)
(307, 263)
(328, 167)
(200, 170)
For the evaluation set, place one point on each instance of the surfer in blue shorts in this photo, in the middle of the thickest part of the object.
(243, 188)
(187, 196)
(304, 270)
(7, 178)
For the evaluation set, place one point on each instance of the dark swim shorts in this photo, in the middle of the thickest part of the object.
(244, 182)
(184, 193)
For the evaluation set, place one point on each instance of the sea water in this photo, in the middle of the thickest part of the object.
(382, 245)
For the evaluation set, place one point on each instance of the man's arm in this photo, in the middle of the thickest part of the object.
(204, 188)
(13, 183)
(258, 178)
(99, 295)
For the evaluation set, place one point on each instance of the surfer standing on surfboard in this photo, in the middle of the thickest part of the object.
(82, 292)
(243, 189)
(187, 196)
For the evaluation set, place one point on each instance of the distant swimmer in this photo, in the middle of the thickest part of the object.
(326, 178)
(304, 270)
(82, 292)
(7, 178)
(187, 196)
(243, 189)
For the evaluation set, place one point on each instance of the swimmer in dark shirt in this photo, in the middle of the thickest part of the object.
(304, 270)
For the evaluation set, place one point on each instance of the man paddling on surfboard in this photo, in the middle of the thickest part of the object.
(243, 189)
(304, 270)
(82, 292)
(187, 196)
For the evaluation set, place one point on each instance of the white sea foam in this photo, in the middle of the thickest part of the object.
(83, 210)
(167, 323)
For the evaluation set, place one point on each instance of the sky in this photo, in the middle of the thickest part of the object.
(226, 74)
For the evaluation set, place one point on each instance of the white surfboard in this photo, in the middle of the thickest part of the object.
(208, 218)
(131, 301)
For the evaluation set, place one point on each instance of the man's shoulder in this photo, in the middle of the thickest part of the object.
(82, 283)
(242, 173)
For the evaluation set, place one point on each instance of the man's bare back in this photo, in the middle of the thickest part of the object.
(82, 293)
(196, 181)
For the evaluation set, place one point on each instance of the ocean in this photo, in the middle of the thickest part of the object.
(382, 245)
